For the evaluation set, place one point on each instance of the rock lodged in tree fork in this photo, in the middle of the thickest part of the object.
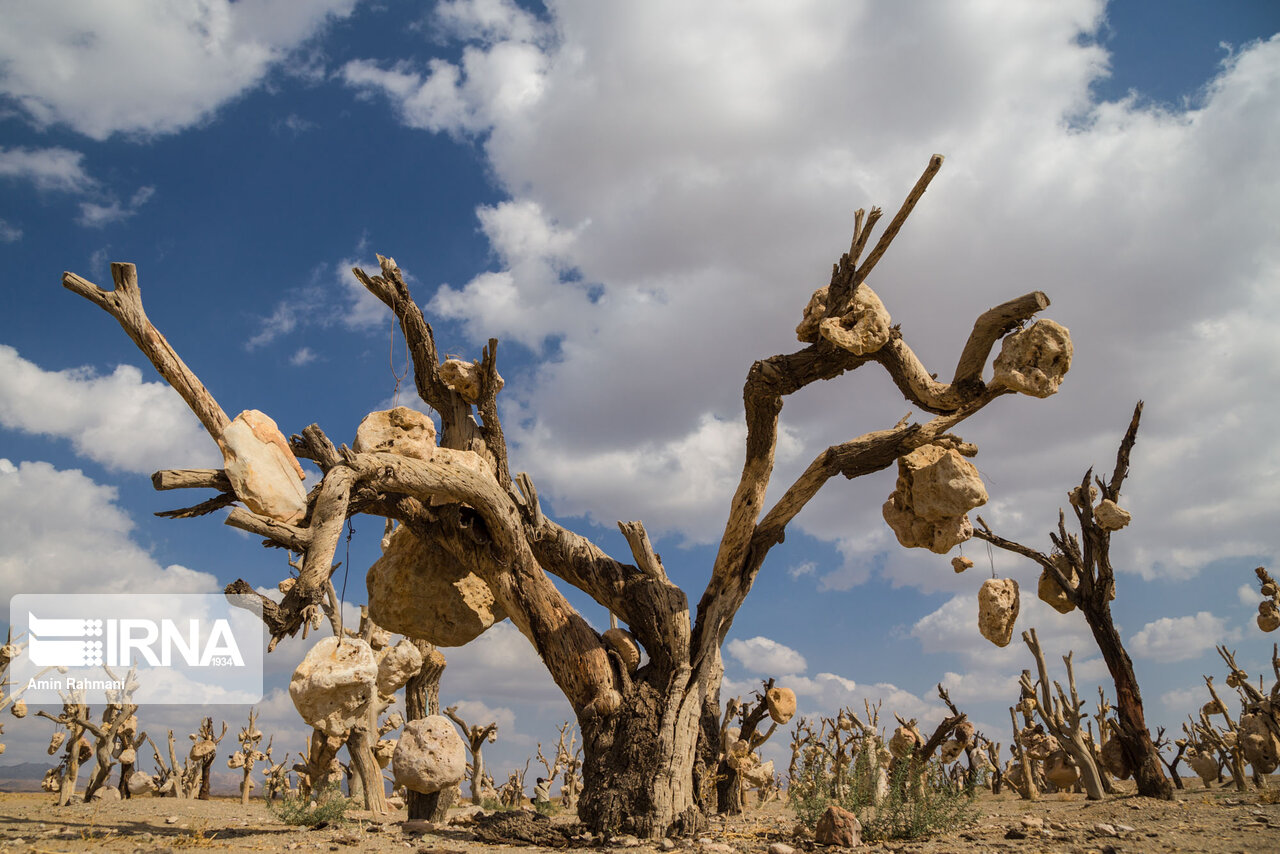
(471, 530)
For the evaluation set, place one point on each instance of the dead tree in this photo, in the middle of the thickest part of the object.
(1258, 730)
(10, 699)
(1063, 716)
(204, 750)
(73, 719)
(1021, 776)
(740, 765)
(1081, 569)
(248, 754)
(475, 738)
(1162, 741)
(648, 732)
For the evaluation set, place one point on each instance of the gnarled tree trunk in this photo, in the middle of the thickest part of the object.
(649, 736)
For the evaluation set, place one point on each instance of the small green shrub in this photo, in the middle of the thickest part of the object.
(934, 805)
(546, 808)
(490, 805)
(329, 807)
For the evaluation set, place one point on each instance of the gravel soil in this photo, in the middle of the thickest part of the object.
(1199, 820)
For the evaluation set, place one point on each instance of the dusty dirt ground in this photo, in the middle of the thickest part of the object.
(1200, 820)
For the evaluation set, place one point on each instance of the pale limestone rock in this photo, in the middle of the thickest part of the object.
(332, 687)
(951, 750)
(286, 584)
(963, 733)
(838, 827)
(1038, 744)
(201, 749)
(1061, 771)
(998, 609)
(864, 329)
(19, 709)
(738, 754)
(1114, 760)
(759, 773)
(262, 470)
(1053, 595)
(56, 742)
(1034, 360)
(235, 760)
(464, 378)
(1268, 615)
(418, 592)
(1109, 515)
(624, 644)
(1204, 764)
(429, 755)
(141, 783)
(1077, 499)
(128, 756)
(401, 430)
(943, 483)
(397, 666)
(814, 312)
(781, 703)
(904, 741)
(383, 751)
(961, 563)
(1213, 707)
(106, 793)
(606, 703)
(1260, 746)
(936, 488)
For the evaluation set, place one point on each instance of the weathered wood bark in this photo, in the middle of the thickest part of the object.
(1089, 555)
(648, 736)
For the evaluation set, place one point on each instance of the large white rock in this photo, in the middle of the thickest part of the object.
(401, 430)
(814, 313)
(1034, 360)
(332, 687)
(864, 329)
(781, 703)
(397, 666)
(417, 591)
(1110, 516)
(141, 783)
(464, 378)
(1048, 590)
(263, 471)
(429, 755)
(998, 605)
(936, 488)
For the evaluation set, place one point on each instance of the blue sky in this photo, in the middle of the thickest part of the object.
(638, 199)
